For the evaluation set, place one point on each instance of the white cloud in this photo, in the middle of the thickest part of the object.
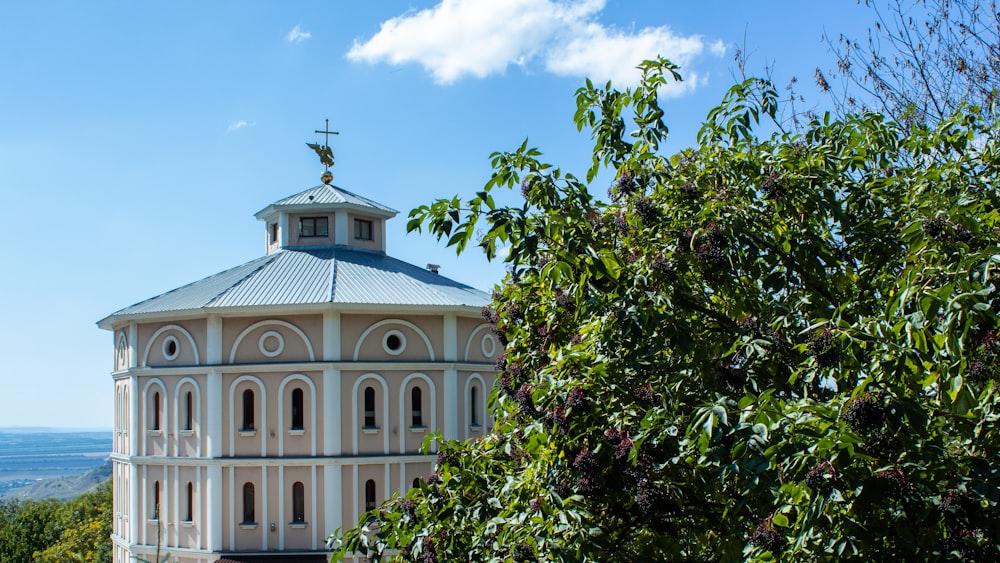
(237, 125)
(479, 38)
(296, 35)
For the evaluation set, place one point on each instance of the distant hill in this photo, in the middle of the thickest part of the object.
(62, 488)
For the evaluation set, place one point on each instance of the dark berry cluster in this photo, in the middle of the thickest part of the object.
(689, 189)
(898, 486)
(646, 394)
(623, 187)
(969, 544)
(710, 245)
(865, 414)
(447, 457)
(942, 230)
(557, 418)
(427, 552)
(577, 399)
(526, 188)
(490, 315)
(620, 441)
(536, 504)
(985, 363)
(588, 471)
(649, 498)
(750, 325)
(523, 398)
(647, 210)
(767, 536)
(823, 477)
(565, 302)
(621, 222)
(773, 186)
(409, 508)
(823, 347)
(523, 553)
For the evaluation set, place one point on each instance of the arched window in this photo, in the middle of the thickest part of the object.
(474, 406)
(247, 410)
(297, 410)
(416, 404)
(248, 504)
(369, 407)
(416, 482)
(189, 512)
(156, 410)
(156, 500)
(298, 503)
(369, 495)
(188, 411)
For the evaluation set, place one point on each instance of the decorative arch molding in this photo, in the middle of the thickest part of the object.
(354, 409)
(263, 413)
(472, 337)
(402, 405)
(483, 394)
(312, 411)
(165, 328)
(384, 322)
(258, 324)
(153, 381)
(121, 351)
(195, 418)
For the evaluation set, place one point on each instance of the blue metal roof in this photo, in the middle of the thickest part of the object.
(319, 275)
(328, 195)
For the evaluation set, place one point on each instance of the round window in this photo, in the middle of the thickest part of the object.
(271, 343)
(489, 345)
(171, 348)
(394, 342)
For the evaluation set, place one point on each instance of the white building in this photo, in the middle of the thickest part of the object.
(262, 408)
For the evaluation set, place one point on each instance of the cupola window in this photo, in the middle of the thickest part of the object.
(362, 229)
(314, 227)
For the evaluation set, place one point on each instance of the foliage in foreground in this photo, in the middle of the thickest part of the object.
(781, 347)
(50, 531)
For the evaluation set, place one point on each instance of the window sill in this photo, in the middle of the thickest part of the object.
(152, 432)
(187, 523)
(297, 432)
(370, 429)
(187, 432)
(298, 525)
(153, 521)
(475, 428)
(247, 432)
(418, 429)
(248, 525)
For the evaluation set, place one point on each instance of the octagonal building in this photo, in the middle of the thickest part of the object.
(259, 409)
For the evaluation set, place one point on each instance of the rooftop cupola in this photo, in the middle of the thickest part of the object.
(325, 215)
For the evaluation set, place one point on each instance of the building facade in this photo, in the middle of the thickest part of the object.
(260, 409)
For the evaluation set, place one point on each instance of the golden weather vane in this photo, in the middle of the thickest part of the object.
(324, 151)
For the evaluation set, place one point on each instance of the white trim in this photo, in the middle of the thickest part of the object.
(167, 341)
(331, 336)
(450, 334)
(472, 335)
(408, 324)
(161, 330)
(271, 334)
(133, 338)
(281, 411)
(468, 403)
(494, 345)
(258, 324)
(214, 395)
(261, 426)
(333, 412)
(403, 393)
(281, 508)
(213, 340)
(354, 409)
(333, 492)
(402, 342)
(195, 416)
(451, 404)
(121, 351)
(144, 421)
(313, 502)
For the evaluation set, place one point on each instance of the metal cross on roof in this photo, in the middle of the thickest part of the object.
(324, 151)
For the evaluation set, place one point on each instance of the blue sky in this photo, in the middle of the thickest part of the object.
(137, 139)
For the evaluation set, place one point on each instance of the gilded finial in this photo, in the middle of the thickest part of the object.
(325, 152)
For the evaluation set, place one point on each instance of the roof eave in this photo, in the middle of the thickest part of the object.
(111, 322)
(271, 210)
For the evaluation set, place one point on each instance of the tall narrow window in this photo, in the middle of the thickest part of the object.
(474, 406)
(416, 406)
(156, 500)
(248, 504)
(247, 410)
(274, 233)
(189, 511)
(297, 409)
(369, 495)
(188, 411)
(298, 502)
(156, 410)
(369, 407)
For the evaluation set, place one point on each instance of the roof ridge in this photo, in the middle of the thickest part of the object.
(269, 258)
(334, 258)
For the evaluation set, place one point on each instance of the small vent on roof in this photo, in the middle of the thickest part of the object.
(434, 268)
(310, 198)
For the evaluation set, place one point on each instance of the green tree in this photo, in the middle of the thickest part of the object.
(86, 531)
(765, 347)
(26, 527)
